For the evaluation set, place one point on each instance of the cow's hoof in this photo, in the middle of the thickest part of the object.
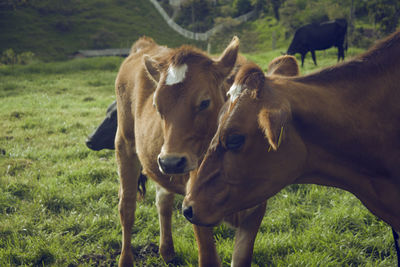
(126, 260)
(208, 263)
(167, 253)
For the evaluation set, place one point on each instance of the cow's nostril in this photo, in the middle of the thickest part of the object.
(181, 163)
(188, 213)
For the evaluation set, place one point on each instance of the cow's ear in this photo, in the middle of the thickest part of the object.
(227, 60)
(251, 77)
(152, 68)
(273, 124)
(284, 65)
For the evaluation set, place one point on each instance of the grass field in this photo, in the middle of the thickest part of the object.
(58, 199)
(57, 29)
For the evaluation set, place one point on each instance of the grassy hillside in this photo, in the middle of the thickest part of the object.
(58, 199)
(56, 29)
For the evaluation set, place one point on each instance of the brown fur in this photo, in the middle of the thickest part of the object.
(157, 120)
(251, 76)
(143, 42)
(341, 129)
(291, 68)
(187, 54)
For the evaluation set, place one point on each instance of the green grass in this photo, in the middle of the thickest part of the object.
(58, 199)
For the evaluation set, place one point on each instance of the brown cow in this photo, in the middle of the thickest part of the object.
(337, 127)
(168, 102)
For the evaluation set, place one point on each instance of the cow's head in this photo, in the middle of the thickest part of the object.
(188, 97)
(103, 137)
(254, 154)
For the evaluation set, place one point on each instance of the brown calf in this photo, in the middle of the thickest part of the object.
(337, 127)
(168, 102)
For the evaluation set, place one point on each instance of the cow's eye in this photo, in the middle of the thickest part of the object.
(234, 141)
(204, 104)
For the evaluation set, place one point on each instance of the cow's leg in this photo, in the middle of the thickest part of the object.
(302, 59)
(129, 171)
(164, 202)
(314, 57)
(208, 256)
(247, 223)
(340, 53)
(397, 245)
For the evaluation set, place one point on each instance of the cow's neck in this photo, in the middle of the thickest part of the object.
(350, 126)
(351, 111)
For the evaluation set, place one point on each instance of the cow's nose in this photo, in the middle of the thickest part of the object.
(188, 213)
(89, 143)
(172, 164)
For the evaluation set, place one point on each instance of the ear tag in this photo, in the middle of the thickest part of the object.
(280, 137)
(279, 140)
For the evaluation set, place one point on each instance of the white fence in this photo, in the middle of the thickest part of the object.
(196, 35)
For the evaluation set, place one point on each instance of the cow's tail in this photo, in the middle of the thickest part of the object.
(346, 35)
(141, 186)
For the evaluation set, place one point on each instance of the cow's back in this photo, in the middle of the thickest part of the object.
(323, 36)
(335, 31)
(319, 36)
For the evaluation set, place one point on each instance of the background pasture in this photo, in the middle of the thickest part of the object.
(58, 199)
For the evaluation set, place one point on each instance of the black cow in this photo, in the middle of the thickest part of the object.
(103, 137)
(397, 245)
(322, 36)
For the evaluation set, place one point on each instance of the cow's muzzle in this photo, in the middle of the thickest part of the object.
(172, 164)
(188, 212)
(90, 144)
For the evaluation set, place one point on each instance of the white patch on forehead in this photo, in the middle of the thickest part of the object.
(176, 74)
(234, 91)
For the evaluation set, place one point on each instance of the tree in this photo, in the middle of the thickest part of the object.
(385, 13)
(14, 3)
(260, 5)
(241, 7)
(276, 4)
(196, 15)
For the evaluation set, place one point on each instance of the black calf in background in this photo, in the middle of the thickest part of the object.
(104, 135)
(103, 138)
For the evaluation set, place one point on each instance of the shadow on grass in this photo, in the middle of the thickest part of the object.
(142, 254)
